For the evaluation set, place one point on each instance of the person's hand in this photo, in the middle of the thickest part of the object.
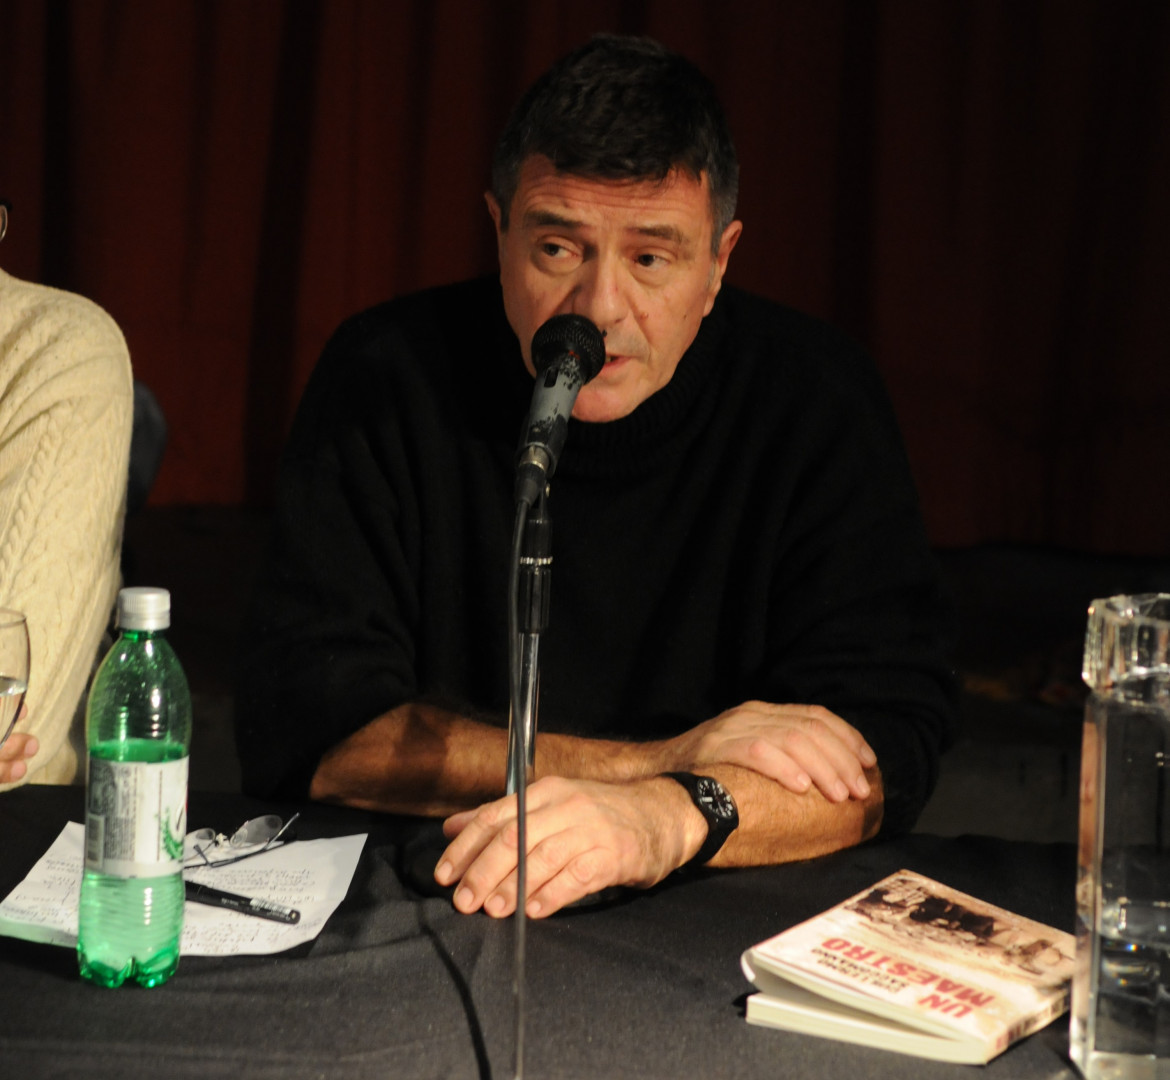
(583, 836)
(796, 745)
(15, 753)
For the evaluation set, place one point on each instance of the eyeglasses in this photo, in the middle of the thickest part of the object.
(206, 847)
(5, 207)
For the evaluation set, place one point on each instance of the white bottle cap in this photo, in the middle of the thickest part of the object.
(142, 607)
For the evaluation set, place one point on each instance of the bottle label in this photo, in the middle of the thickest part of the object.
(135, 817)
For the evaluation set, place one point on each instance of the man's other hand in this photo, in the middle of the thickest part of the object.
(796, 745)
(583, 836)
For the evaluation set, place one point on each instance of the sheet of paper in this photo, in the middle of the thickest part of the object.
(309, 875)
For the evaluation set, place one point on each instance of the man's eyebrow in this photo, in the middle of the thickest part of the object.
(541, 218)
(545, 218)
(662, 232)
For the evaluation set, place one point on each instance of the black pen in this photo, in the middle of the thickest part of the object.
(246, 905)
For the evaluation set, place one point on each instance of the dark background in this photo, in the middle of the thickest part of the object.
(976, 190)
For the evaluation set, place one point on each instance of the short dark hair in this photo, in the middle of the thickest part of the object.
(622, 108)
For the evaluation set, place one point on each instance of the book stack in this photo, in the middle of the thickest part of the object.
(916, 967)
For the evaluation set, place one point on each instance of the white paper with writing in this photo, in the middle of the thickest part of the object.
(312, 876)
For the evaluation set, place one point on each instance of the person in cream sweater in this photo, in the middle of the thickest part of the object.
(66, 413)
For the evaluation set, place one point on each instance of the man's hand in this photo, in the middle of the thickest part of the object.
(583, 836)
(15, 753)
(798, 746)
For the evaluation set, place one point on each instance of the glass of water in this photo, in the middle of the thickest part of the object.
(14, 661)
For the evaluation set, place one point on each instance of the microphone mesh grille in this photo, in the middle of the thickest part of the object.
(573, 334)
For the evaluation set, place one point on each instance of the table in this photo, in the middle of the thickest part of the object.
(401, 985)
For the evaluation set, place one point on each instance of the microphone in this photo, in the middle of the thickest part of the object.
(567, 351)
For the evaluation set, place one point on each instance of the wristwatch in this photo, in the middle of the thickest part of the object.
(716, 805)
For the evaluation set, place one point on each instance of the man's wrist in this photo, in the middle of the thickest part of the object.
(717, 809)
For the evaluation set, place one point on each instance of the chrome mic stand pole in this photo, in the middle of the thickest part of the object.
(532, 618)
(528, 616)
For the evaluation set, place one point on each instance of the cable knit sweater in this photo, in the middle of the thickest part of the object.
(66, 411)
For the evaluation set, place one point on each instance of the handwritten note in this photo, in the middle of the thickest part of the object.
(312, 876)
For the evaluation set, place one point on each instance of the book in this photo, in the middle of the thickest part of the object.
(913, 966)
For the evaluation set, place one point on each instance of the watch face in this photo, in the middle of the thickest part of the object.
(714, 797)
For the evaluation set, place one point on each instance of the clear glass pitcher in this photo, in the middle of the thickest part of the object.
(1120, 1026)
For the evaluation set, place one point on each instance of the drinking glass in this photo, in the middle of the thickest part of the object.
(14, 661)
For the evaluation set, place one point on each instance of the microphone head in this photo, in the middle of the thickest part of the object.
(571, 334)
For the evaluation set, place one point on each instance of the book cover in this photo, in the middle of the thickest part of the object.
(914, 966)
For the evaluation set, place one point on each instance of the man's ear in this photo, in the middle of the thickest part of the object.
(497, 215)
(727, 244)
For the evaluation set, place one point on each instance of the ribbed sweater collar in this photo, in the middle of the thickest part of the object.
(665, 420)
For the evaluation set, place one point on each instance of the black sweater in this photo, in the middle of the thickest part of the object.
(749, 532)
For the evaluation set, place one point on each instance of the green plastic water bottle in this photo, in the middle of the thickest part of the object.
(138, 729)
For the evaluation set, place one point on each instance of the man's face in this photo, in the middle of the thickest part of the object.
(635, 257)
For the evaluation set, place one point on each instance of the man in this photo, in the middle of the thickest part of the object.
(744, 609)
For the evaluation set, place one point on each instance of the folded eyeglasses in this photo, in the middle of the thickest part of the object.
(206, 847)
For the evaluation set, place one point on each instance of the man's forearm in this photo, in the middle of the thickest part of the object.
(415, 759)
(423, 759)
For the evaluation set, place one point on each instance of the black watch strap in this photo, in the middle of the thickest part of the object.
(716, 805)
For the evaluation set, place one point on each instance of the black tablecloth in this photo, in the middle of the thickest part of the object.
(400, 985)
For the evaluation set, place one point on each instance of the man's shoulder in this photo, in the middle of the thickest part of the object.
(755, 319)
(443, 347)
(423, 321)
(774, 343)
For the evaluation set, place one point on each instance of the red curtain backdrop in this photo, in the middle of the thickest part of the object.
(978, 191)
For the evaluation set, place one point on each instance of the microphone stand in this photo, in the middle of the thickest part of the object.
(528, 616)
(531, 605)
(567, 351)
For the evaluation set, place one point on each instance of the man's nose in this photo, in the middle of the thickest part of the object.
(600, 294)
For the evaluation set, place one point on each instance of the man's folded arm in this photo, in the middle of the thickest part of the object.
(584, 837)
(421, 758)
